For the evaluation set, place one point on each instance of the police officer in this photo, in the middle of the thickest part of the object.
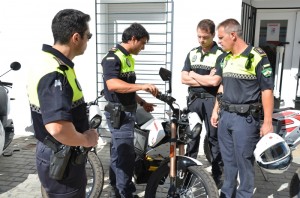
(246, 82)
(120, 92)
(203, 86)
(58, 108)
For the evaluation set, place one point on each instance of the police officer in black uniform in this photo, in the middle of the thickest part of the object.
(120, 92)
(58, 108)
(247, 87)
(197, 73)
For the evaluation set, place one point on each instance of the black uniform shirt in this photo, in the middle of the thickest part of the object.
(56, 101)
(201, 68)
(240, 85)
(111, 65)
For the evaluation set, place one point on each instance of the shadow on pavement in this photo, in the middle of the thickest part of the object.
(18, 177)
(17, 163)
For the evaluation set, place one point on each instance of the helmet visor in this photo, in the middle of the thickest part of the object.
(274, 153)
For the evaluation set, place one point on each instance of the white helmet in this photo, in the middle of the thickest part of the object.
(273, 154)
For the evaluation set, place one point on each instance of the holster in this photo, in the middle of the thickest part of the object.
(116, 110)
(115, 114)
(59, 158)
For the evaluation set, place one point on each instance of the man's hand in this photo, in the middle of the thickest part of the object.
(212, 71)
(214, 119)
(149, 107)
(192, 74)
(150, 88)
(92, 137)
(266, 128)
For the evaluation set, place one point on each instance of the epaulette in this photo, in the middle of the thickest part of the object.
(63, 67)
(260, 51)
(113, 49)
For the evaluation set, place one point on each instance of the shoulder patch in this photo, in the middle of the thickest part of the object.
(260, 51)
(267, 70)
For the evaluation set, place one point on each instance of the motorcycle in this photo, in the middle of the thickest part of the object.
(286, 123)
(6, 123)
(94, 168)
(159, 146)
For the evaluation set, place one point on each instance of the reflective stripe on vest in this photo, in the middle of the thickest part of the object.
(47, 65)
(207, 63)
(236, 67)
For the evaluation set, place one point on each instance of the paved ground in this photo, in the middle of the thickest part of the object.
(18, 178)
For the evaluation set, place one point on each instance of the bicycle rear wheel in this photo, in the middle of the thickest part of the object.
(95, 177)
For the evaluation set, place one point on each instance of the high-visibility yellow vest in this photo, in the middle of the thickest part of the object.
(48, 64)
(207, 63)
(242, 66)
(127, 62)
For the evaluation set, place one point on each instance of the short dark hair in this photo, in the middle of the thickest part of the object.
(136, 30)
(231, 25)
(207, 25)
(67, 22)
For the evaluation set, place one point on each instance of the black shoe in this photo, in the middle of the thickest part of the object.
(218, 181)
(114, 193)
(136, 196)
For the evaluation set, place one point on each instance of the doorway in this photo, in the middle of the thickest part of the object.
(277, 32)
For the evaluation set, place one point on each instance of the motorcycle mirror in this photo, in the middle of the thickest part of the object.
(166, 75)
(95, 117)
(15, 66)
(95, 122)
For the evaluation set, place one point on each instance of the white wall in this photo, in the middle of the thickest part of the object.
(186, 18)
(26, 25)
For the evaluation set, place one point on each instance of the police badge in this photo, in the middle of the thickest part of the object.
(194, 58)
(128, 62)
(223, 63)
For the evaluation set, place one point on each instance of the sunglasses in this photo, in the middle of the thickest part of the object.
(89, 35)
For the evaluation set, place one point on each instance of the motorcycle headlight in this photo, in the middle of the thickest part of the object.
(195, 131)
(195, 125)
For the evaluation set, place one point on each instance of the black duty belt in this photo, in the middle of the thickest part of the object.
(201, 95)
(241, 108)
(129, 108)
(52, 143)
